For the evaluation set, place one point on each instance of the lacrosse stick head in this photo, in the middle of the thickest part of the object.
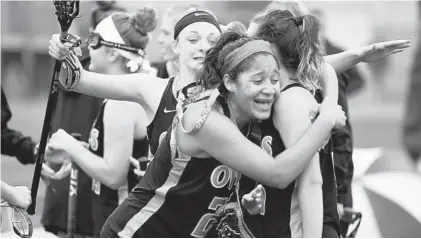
(21, 223)
(66, 11)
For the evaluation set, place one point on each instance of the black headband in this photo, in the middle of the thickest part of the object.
(196, 16)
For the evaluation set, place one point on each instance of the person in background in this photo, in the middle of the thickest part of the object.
(412, 118)
(13, 142)
(75, 113)
(169, 67)
(349, 82)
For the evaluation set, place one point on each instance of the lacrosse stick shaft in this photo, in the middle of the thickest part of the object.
(73, 191)
(51, 104)
(71, 209)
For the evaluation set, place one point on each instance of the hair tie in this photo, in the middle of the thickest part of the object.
(299, 21)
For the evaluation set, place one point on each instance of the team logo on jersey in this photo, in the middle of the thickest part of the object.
(221, 176)
(93, 139)
(168, 111)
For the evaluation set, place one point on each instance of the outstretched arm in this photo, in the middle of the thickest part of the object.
(376, 51)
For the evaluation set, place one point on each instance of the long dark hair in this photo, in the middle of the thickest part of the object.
(210, 75)
(297, 39)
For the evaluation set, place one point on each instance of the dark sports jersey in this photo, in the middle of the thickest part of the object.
(163, 117)
(105, 199)
(165, 114)
(177, 197)
(161, 68)
(275, 221)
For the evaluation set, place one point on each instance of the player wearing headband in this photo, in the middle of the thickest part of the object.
(296, 42)
(190, 176)
(170, 66)
(194, 34)
(116, 46)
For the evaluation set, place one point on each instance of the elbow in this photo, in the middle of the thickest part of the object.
(284, 179)
(282, 186)
(283, 182)
(114, 183)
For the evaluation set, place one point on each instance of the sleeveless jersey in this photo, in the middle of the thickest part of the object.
(177, 197)
(275, 221)
(163, 117)
(105, 199)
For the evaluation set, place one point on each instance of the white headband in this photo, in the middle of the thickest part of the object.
(108, 31)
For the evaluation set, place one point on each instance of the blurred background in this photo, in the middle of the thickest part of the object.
(376, 110)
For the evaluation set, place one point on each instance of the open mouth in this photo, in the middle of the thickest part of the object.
(265, 104)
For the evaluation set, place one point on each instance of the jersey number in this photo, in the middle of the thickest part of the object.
(206, 222)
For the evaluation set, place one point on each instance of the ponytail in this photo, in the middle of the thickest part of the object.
(297, 39)
(311, 67)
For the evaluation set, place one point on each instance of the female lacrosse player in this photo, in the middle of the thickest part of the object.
(170, 66)
(119, 130)
(190, 176)
(194, 34)
(296, 41)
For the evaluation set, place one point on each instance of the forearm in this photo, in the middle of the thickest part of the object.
(94, 166)
(15, 144)
(109, 87)
(6, 191)
(310, 197)
(343, 61)
(295, 159)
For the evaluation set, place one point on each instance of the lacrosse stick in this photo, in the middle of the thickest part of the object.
(73, 187)
(21, 223)
(66, 11)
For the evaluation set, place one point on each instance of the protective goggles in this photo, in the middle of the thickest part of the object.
(95, 41)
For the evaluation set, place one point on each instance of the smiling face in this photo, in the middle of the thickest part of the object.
(254, 91)
(193, 42)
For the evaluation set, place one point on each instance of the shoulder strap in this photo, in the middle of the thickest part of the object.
(291, 85)
(213, 95)
(205, 113)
